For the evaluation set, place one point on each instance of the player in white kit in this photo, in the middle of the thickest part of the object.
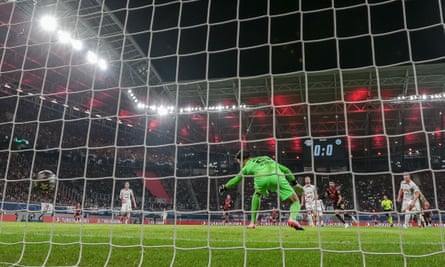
(308, 199)
(164, 216)
(409, 194)
(318, 209)
(127, 197)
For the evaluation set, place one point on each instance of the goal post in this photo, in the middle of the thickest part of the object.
(152, 100)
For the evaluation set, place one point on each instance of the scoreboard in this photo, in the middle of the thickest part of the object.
(327, 153)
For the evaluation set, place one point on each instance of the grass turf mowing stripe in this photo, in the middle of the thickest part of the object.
(155, 244)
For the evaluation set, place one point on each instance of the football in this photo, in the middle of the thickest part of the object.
(45, 181)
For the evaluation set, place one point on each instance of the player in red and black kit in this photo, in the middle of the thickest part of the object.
(78, 212)
(426, 220)
(228, 202)
(337, 201)
(274, 216)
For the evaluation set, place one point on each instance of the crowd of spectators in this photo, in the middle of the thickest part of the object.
(93, 158)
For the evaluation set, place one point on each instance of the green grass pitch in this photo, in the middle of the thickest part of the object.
(37, 244)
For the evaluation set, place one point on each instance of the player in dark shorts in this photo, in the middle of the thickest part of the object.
(78, 213)
(274, 216)
(427, 215)
(387, 206)
(228, 203)
(333, 193)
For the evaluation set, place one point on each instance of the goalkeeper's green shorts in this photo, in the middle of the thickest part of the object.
(274, 183)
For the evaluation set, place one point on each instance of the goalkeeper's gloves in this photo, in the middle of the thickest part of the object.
(293, 182)
(222, 188)
(297, 187)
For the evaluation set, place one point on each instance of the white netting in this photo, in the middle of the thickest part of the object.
(164, 93)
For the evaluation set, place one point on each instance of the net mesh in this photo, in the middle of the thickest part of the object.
(163, 94)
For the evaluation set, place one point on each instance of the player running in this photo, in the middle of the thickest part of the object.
(228, 202)
(308, 199)
(427, 216)
(387, 206)
(409, 192)
(269, 175)
(337, 201)
(126, 196)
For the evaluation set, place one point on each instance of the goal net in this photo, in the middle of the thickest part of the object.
(139, 107)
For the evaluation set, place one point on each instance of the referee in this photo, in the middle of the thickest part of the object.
(386, 204)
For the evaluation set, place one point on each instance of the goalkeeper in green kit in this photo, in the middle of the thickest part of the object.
(269, 175)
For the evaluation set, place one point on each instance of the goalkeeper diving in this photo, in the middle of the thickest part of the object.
(271, 176)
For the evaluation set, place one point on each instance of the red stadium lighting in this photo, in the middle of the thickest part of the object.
(358, 94)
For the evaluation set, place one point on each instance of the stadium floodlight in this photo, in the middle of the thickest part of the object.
(162, 110)
(76, 44)
(64, 37)
(48, 23)
(102, 64)
(92, 57)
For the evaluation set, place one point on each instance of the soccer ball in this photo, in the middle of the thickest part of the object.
(45, 181)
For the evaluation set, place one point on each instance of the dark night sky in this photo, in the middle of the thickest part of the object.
(248, 39)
